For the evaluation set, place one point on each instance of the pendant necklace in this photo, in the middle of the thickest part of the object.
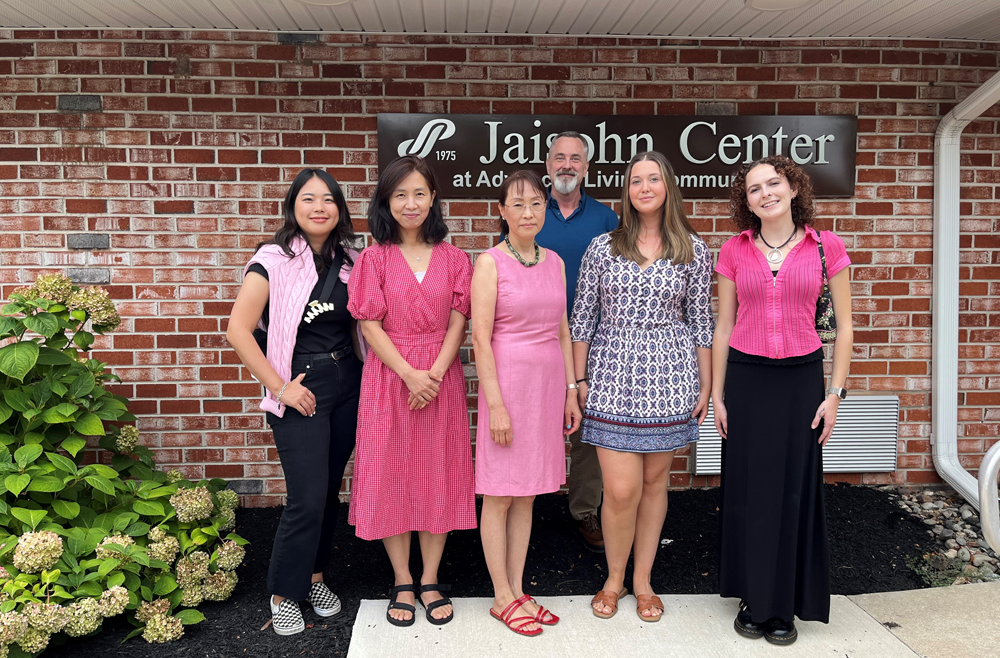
(774, 256)
(506, 240)
(417, 258)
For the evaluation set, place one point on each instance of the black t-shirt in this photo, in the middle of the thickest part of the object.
(322, 329)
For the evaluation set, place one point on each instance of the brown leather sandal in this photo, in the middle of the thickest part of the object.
(645, 603)
(607, 598)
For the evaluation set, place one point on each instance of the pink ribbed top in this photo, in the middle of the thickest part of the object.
(776, 316)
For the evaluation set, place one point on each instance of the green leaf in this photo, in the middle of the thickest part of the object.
(164, 585)
(115, 579)
(102, 470)
(64, 464)
(160, 492)
(17, 483)
(83, 340)
(137, 529)
(5, 411)
(82, 385)
(198, 537)
(73, 445)
(43, 324)
(27, 454)
(148, 507)
(51, 357)
(134, 633)
(42, 392)
(54, 416)
(17, 399)
(232, 536)
(32, 517)
(190, 616)
(9, 325)
(66, 508)
(108, 564)
(17, 359)
(101, 484)
(78, 315)
(88, 425)
(45, 484)
(132, 581)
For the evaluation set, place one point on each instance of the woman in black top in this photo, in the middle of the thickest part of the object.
(295, 286)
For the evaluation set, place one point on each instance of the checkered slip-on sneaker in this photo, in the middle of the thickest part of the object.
(324, 602)
(286, 618)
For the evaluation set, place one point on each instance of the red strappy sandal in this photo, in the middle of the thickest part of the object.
(544, 616)
(516, 624)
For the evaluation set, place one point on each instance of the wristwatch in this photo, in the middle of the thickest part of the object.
(839, 392)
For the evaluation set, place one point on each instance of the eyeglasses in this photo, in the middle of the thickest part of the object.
(518, 207)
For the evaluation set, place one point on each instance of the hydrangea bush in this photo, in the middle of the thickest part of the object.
(82, 541)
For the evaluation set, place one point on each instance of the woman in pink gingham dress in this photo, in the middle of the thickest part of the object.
(413, 464)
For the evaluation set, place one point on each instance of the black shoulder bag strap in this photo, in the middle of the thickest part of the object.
(332, 275)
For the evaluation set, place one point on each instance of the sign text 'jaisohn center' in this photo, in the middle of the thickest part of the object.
(473, 153)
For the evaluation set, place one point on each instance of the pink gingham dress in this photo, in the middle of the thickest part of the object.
(412, 469)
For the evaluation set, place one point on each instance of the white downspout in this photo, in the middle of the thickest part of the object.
(944, 379)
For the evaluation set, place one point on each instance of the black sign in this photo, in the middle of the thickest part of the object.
(473, 153)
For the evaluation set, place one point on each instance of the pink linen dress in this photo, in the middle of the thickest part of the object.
(531, 372)
(412, 469)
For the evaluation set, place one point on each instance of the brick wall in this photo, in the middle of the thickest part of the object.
(153, 161)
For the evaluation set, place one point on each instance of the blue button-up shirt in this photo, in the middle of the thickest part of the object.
(570, 236)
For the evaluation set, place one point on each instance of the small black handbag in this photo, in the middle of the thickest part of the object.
(826, 323)
(260, 335)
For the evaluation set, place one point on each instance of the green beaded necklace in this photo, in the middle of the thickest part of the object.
(506, 239)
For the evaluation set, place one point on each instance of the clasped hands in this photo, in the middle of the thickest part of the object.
(424, 386)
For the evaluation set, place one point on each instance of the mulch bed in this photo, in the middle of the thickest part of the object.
(870, 540)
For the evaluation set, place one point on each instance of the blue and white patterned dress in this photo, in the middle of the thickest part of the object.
(643, 328)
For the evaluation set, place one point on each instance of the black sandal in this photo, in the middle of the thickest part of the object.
(406, 607)
(434, 605)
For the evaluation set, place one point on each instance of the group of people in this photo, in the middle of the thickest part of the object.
(584, 324)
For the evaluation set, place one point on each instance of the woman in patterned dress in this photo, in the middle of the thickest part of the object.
(413, 465)
(642, 330)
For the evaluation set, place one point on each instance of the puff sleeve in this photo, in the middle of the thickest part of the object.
(461, 297)
(366, 300)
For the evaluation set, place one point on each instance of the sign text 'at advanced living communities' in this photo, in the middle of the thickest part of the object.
(473, 153)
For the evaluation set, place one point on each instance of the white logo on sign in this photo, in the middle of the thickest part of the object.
(432, 131)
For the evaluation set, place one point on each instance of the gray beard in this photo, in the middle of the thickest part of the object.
(564, 186)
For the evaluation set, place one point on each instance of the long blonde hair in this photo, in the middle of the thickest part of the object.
(675, 230)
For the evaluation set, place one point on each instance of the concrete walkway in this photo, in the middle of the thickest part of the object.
(695, 626)
(962, 620)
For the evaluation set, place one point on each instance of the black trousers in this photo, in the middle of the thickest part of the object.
(314, 451)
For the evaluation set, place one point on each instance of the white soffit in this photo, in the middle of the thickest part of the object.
(973, 20)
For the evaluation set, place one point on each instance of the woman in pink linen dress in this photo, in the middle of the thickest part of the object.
(413, 464)
(527, 392)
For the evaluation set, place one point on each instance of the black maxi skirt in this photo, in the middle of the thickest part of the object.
(773, 549)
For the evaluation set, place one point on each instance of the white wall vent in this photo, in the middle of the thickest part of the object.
(864, 440)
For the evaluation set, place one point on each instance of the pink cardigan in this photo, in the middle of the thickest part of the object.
(290, 280)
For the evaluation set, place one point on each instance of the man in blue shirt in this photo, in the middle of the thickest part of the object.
(572, 220)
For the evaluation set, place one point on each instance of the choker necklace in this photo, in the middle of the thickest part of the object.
(775, 256)
(506, 240)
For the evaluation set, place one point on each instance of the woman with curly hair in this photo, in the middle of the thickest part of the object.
(769, 400)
